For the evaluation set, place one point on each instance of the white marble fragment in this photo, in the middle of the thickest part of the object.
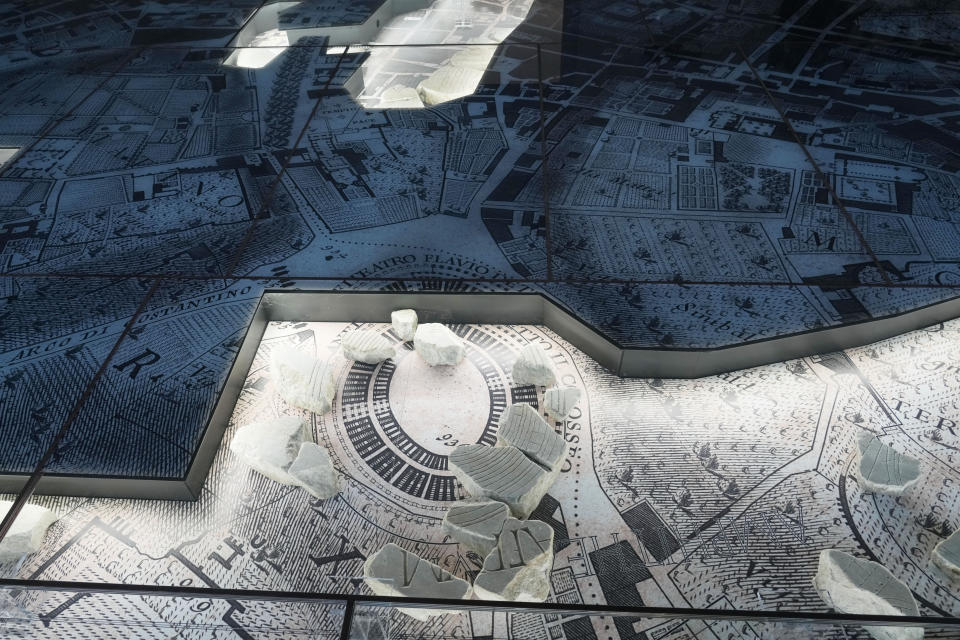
(313, 470)
(457, 77)
(271, 446)
(393, 571)
(520, 565)
(533, 366)
(503, 474)
(851, 585)
(400, 97)
(946, 555)
(522, 427)
(558, 402)
(302, 380)
(404, 323)
(26, 534)
(438, 345)
(881, 469)
(363, 345)
(476, 525)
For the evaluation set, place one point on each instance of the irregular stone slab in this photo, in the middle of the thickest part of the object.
(476, 525)
(437, 345)
(946, 555)
(851, 585)
(560, 401)
(404, 323)
(400, 97)
(522, 427)
(533, 366)
(393, 571)
(363, 345)
(881, 469)
(313, 470)
(26, 534)
(519, 567)
(302, 380)
(503, 474)
(271, 446)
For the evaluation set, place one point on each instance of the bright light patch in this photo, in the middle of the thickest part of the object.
(7, 153)
(262, 50)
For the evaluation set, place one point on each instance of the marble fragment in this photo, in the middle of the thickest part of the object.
(503, 474)
(438, 345)
(558, 402)
(400, 97)
(302, 380)
(881, 469)
(363, 345)
(313, 470)
(946, 555)
(271, 446)
(393, 571)
(476, 525)
(404, 323)
(851, 585)
(522, 427)
(520, 565)
(457, 77)
(26, 534)
(533, 366)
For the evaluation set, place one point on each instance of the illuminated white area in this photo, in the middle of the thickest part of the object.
(6, 153)
(262, 49)
(400, 77)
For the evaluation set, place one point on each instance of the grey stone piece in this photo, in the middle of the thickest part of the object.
(881, 469)
(503, 474)
(559, 401)
(271, 446)
(313, 470)
(363, 345)
(520, 565)
(302, 380)
(393, 571)
(476, 525)
(26, 534)
(404, 323)
(946, 555)
(522, 427)
(851, 585)
(533, 366)
(438, 345)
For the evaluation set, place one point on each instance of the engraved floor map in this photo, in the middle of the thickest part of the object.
(680, 174)
(710, 493)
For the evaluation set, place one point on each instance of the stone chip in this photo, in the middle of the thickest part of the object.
(522, 427)
(438, 345)
(851, 585)
(369, 347)
(533, 366)
(404, 323)
(302, 380)
(26, 534)
(503, 474)
(271, 446)
(520, 565)
(558, 402)
(476, 525)
(946, 555)
(881, 469)
(393, 571)
(313, 470)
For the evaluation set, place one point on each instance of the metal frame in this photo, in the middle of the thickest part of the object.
(473, 308)
(351, 601)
